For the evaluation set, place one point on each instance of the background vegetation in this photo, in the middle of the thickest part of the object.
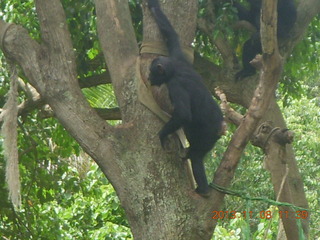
(64, 192)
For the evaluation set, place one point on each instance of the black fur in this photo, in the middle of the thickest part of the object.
(194, 108)
(287, 15)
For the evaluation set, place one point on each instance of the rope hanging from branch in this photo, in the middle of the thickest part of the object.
(9, 115)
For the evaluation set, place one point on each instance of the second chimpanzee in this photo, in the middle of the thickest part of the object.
(194, 108)
(287, 15)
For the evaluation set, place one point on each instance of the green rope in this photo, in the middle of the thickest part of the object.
(264, 199)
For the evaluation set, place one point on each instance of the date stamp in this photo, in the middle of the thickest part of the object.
(260, 215)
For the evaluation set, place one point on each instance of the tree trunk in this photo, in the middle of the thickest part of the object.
(280, 162)
(152, 184)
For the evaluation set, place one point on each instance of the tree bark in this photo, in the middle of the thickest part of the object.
(152, 185)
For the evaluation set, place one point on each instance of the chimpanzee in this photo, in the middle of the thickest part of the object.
(194, 108)
(287, 15)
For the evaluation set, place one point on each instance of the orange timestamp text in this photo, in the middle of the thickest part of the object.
(262, 214)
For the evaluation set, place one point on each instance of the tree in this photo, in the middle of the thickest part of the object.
(153, 187)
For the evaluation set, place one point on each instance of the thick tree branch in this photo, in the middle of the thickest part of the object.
(50, 68)
(214, 76)
(245, 25)
(104, 113)
(230, 114)
(109, 113)
(270, 74)
(95, 80)
(18, 46)
(220, 42)
(35, 101)
(56, 39)
(242, 93)
(307, 10)
(118, 41)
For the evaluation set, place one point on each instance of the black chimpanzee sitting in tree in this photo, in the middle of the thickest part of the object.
(287, 15)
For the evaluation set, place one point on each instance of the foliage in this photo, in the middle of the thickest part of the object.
(303, 118)
(21, 12)
(225, 17)
(65, 195)
(239, 225)
(80, 209)
(303, 67)
(82, 25)
(100, 96)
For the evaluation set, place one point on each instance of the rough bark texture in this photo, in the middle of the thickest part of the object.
(152, 185)
(292, 191)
